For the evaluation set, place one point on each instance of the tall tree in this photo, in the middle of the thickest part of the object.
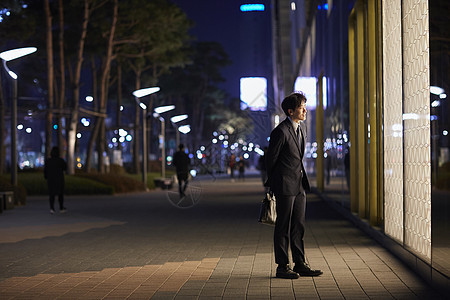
(50, 78)
(197, 82)
(151, 39)
(62, 74)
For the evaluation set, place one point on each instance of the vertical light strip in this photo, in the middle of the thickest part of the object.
(373, 118)
(392, 111)
(361, 110)
(352, 111)
(417, 158)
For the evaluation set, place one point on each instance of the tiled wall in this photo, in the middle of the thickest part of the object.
(392, 111)
(406, 71)
(416, 109)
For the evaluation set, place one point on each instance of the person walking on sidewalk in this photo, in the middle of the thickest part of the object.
(181, 162)
(288, 181)
(54, 169)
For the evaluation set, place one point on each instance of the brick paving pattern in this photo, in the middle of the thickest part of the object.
(140, 246)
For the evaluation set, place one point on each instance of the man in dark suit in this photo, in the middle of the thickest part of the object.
(287, 179)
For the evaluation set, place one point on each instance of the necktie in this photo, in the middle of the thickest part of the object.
(299, 138)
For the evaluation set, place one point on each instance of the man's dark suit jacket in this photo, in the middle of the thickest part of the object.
(285, 170)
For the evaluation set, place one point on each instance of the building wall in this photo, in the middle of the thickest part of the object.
(392, 110)
(407, 161)
(392, 39)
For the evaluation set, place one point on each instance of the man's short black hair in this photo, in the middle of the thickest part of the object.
(292, 101)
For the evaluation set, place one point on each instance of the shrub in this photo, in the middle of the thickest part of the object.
(77, 185)
(35, 184)
(119, 183)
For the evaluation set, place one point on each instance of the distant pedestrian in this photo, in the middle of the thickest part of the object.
(328, 165)
(181, 162)
(241, 168)
(54, 170)
(232, 165)
(347, 166)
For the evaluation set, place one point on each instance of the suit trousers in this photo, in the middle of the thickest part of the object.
(290, 228)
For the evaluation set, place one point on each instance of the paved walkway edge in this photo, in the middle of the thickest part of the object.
(432, 276)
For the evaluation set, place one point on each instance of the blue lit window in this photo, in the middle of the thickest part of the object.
(252, 7)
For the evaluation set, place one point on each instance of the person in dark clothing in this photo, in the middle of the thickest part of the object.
(181, 162)
(347, 166)
(288, 181)
(241, 168)
(54, 170)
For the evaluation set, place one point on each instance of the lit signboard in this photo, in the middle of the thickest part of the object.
(252, 7)
(254, 93)
(308, 85)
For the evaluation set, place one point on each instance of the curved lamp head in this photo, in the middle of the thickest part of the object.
(145, 92)
(179, 118)
(185, 129)
(13, 54)
(163, 109)
(16, 53)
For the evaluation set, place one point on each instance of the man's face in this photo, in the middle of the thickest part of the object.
(299, 114)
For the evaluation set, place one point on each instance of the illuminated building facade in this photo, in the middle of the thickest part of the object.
(383, 101)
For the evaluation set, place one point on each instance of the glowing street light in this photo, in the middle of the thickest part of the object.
(8, 56)
(177, 119)
(163, 109)
(157, 111)
(185, 129)
(139, 94)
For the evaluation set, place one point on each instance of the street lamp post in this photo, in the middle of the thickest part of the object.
(139, 94)
(157, 114)
(7, 56)
(175, 120)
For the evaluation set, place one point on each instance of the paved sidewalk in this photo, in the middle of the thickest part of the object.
(142, 246)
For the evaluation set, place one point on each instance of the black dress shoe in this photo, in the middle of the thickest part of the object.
(286, 273)
(304, 270)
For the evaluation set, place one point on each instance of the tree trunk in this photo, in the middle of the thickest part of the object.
(137, 127)
(119, 103)
(50, 77)
(90, 147)
(62, 89)
(71, 136)
(104, 85)
(94, 132)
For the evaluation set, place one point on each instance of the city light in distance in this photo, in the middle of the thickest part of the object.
(28, 130)
(89, 98)
(86, 122)
(20, 126)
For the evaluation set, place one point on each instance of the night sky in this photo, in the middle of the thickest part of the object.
(215, 21)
